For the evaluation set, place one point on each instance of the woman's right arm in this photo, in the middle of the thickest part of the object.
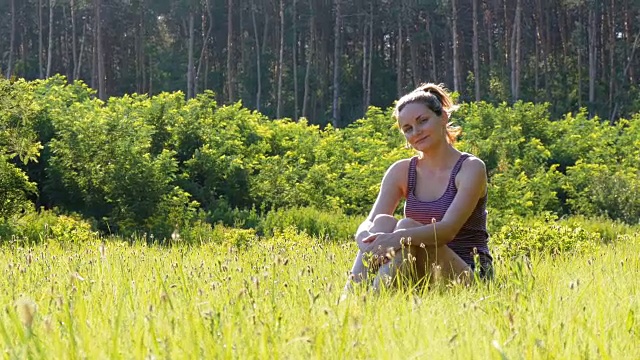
(391, 192)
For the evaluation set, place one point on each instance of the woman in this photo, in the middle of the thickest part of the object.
(443, 232)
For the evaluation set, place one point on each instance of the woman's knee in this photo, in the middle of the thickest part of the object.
(406, 223)
(383, 223)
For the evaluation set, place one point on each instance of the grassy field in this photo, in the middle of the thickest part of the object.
(279, 299)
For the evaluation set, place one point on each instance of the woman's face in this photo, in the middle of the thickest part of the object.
(421, 126)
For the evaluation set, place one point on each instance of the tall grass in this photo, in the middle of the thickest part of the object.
(279, 298)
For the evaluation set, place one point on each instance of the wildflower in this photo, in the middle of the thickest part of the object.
(76, 276)
(175, 235)
(26, 311)
(391, 253)
(103, 251)
(436, 271)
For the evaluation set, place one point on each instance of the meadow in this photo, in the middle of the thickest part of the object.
(158, 227)
(280, 297)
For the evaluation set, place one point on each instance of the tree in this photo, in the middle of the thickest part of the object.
(515, 52)
(454, 45)
(280, 61)
(102, 94)
(230, 49)
(593, 51)
(311, 43)
(12, 38)
(295, 63)
(52, 4)
(476, 56)
(258, 54)
(336, 63)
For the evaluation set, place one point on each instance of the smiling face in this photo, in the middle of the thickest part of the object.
(421, 126)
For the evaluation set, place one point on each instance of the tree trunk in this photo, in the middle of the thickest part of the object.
(454, 34)
(77, 70)
(579, 55)
(280, 62)
(399, 46)
(336, 64)
(12, 38)
(295, 64)
(140, 42)
(603, 42)
(413, 51)
(630, 42)
(538, 48)
(488, 24)
(52, 3)
(40, 45)
(612, 51)
(74, 46)
(230, 72)
(190, 74)
(99, 51)
(432, 47)
(515, 53)
(24, 45)
(476, 55)
(365, 24)
(367, 101)
(593, 39)
(205, 44)
(258, 54)
(67, 60)
(310, 55)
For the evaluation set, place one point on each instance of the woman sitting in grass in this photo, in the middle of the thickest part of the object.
(443, 232)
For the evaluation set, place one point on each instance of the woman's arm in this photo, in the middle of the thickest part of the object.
(391, 192)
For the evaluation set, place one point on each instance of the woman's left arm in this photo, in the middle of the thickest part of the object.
(472, 187)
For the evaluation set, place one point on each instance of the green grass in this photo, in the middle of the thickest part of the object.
(279, 299)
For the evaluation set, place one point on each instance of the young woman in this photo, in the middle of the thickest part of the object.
(443, 232)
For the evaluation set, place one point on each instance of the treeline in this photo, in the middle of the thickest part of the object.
(328, 61)
(161, 163)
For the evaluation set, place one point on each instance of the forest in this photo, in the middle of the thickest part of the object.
(328, 61)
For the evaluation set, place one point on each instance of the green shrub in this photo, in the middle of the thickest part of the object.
(36, 227)
(608, 230)
(317, 223)
(604, 190)
(526, 237)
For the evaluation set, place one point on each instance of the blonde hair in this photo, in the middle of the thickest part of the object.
(437, 99)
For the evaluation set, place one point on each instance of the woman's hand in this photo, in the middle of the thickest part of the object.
(383, 246)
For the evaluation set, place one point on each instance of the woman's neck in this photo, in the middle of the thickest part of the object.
(440, 158)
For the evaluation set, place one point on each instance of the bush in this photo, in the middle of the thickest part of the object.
(317, 223)
(36, 227)
(526, 237)
(607, 229)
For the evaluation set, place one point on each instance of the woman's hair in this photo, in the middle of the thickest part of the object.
(437, 99)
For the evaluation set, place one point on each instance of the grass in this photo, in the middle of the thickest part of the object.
(279, 299)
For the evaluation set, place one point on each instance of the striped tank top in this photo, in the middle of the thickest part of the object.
(472, 235)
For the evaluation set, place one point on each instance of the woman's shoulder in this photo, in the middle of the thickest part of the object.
(472, 162)
(400, 166)
(398, 171)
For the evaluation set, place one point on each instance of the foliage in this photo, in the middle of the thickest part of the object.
(18, 145)
(321, 224)
(40, 227)
(140, 164)
(527, 237)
